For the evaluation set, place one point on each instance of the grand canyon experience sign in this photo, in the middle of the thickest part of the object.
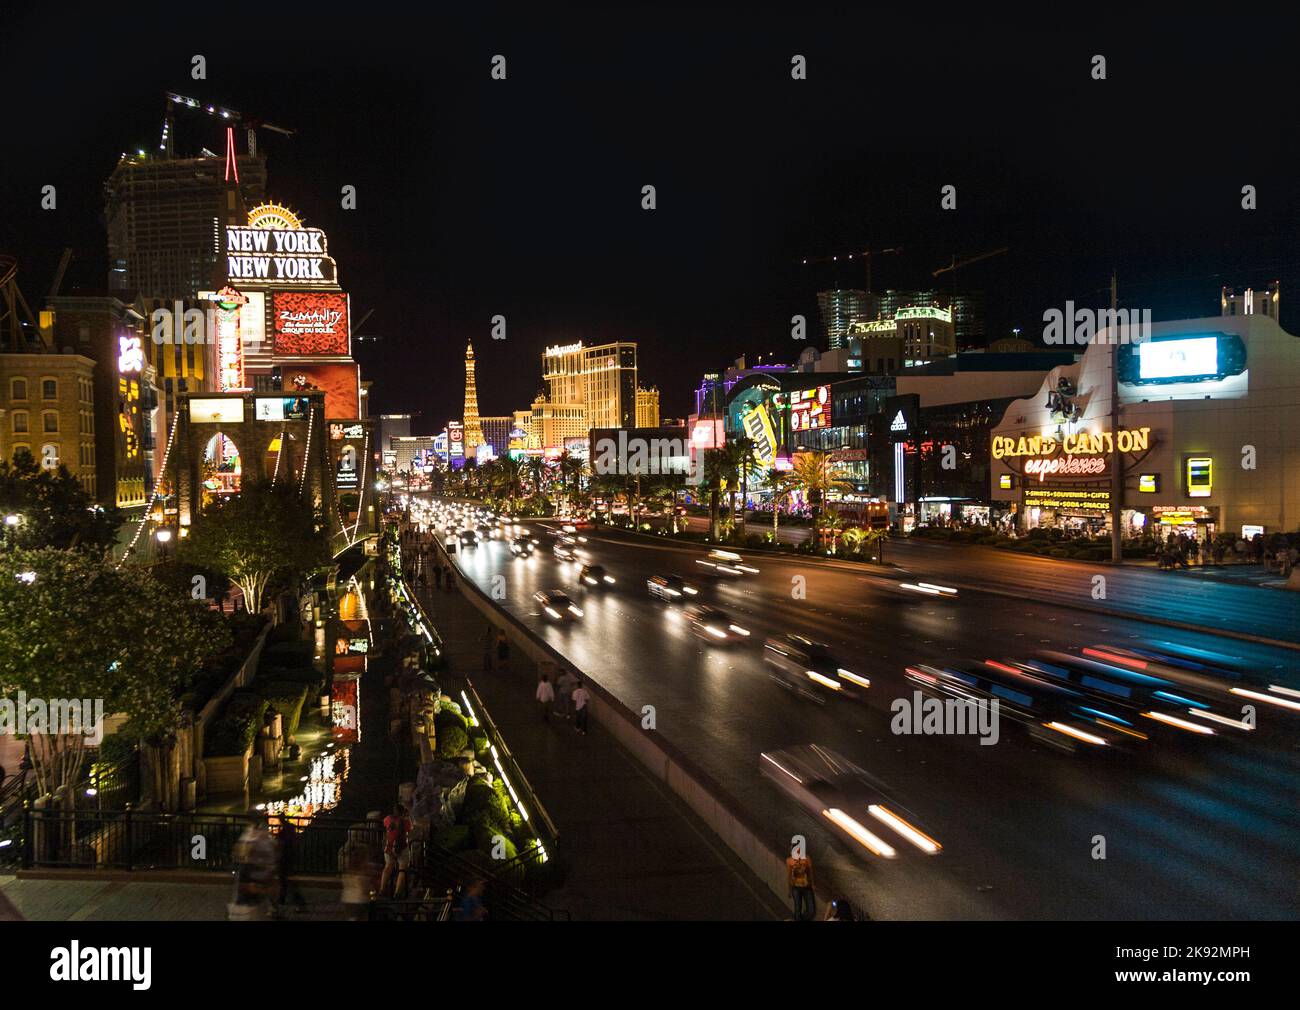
(1082, 456)
(278, 257)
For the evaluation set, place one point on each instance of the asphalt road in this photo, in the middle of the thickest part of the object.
(1208, 828)
(1138, 589)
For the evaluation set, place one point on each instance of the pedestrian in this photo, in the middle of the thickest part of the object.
(397, 852)
(799, 875)
(437, 576)
(288, 848)
(451, 579)
(503, 652)
(255, 856)
(469, 908)
(565, 686)
(580, 709)
(358, 879)
(545, 696)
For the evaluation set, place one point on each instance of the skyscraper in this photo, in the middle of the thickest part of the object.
(473, 431)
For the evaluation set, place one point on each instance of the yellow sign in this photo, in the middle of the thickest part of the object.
(1067, 500)
(1082, 444)
(1200, 476)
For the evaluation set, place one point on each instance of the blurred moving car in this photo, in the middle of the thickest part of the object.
(727, 563)
(671, 588)
(595, 576)
(848, 798)
(808, 668)
(714, 625)
(1048, 713)
(468, 538)
(521, 547)
(556, 605)
(563, 552)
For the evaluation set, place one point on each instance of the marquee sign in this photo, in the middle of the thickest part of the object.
(1081, 444)
(277, 257)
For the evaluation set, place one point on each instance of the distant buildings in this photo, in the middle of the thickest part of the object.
(647, 408)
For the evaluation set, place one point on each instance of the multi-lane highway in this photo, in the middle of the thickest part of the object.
(1137, 589)
(1207, 827)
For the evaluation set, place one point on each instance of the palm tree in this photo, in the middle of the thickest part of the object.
(782, 484)
(853, 538)
(536, 472)
(746, 465)
(715, 465)
(814, 475)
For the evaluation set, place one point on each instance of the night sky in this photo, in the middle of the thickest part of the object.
(522, 198)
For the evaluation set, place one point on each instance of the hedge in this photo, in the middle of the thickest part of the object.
(288, 653)
(447, 718)
(451, 741)
(287, 698)
(456, 838)
(234, 731)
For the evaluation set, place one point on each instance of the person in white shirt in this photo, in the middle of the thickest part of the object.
(545, 696)
(580, 699)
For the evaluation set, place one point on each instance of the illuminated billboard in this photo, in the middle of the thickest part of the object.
(340, 382)
(810, 408)
(758, 427)
(456, 439)
(1200, 476)
(1186, 358)
(278, 257)
(226, 410)
(309, 324)
(281, 408)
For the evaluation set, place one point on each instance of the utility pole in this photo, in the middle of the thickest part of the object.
(1116, 457)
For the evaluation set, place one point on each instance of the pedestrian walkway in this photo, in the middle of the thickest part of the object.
(140, 898)
(631, 850)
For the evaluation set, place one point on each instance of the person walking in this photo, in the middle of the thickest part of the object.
(437, 576)
(451, 579)
(503, 652)
(799, 875)
(288, 840)
(565, 687)
(397, 852)
(580, 710)
(545, 696)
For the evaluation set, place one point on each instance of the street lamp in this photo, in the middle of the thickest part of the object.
(163, 536)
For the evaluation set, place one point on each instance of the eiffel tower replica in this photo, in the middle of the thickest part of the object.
(473, 430)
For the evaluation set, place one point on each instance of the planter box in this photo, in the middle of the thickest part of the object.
(226, 776)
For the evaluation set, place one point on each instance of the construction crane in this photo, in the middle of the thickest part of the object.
(956, 264)
(866, 255)
(232, 116)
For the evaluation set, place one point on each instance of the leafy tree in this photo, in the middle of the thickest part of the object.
(814, 475)
(262, 532)
(72, 628)
(53, 509)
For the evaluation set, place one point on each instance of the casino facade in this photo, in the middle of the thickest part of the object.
(1205, 434)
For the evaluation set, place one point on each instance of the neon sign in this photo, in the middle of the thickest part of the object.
(1082, 444)
(130, 354)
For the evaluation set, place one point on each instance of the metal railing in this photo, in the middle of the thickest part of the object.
(138, 840)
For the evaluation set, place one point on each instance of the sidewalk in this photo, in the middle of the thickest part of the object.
(630, 849)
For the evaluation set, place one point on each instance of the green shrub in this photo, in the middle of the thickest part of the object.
(479, 741)
(456, 838)
(451, 741)
(445, 719)
(1058, 552)
(234, 731)
(287, 698)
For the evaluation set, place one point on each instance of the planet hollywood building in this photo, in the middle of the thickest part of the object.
(1204, 434)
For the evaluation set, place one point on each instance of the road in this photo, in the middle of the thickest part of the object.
(1210, 829)
(1140, 590)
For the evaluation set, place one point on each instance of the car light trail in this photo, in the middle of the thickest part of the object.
(859, 833)
(1268, 698)
(917, 837)
(1078, 734)
(1173, 720)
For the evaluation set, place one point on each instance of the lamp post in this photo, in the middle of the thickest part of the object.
(163, 535)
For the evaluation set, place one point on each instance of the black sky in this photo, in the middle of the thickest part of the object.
(522, 198)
